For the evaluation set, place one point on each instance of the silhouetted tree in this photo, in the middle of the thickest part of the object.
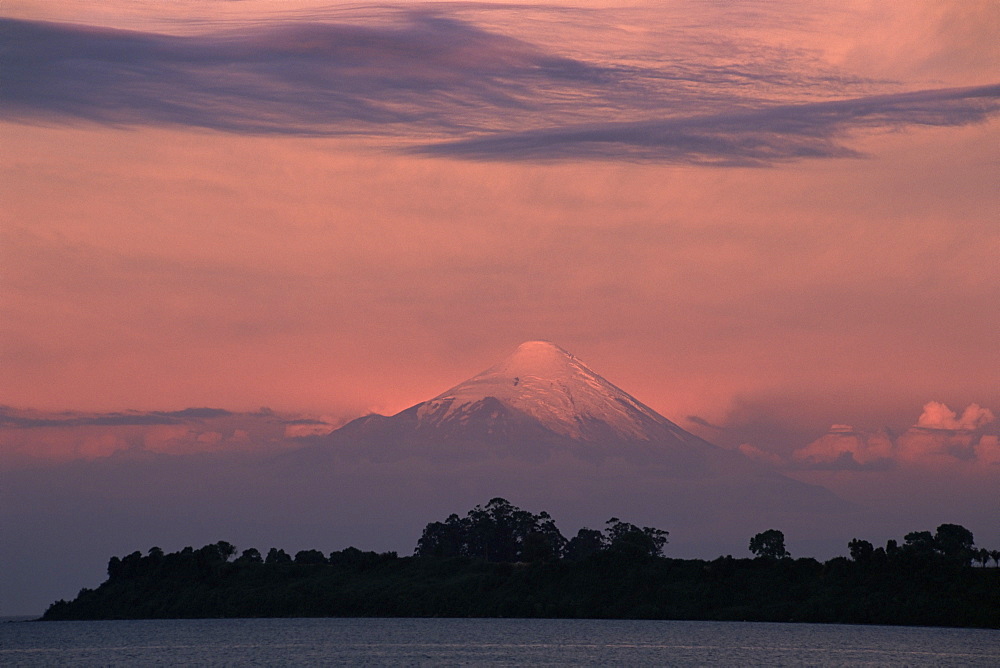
(310, 557)
(443, 539)
(861, 550)
(216, 553)
(919, 544)
(250, 556)
(983, 556)
(276, 556)
(114, 567)
(995, 556)
(131, 564)
(627, 538)
(900, 589)
(544, 541)
(769, 544)
(498, 531)
(226, 550)
(584, 544)
(879, 555)
(891, 548)
(955, 543)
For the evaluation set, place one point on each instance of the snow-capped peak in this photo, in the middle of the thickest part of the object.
(551, 385)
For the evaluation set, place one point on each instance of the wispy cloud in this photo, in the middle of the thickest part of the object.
(751, 138)
(440, 86)
(26, 420)
(428, 74)
(31, 438)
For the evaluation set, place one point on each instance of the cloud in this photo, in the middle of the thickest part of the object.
(742, 139)
(439, 86)
(843, 447)
(940, 438)
(430, 73)
(10, 417)
(938, 416)
(29, 438)
(938, 447)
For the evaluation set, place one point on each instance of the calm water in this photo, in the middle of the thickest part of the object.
(486, 642)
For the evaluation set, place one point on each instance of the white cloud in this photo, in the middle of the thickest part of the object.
(940, 437)
(937, 415)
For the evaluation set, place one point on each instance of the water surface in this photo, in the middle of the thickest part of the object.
(487, 642)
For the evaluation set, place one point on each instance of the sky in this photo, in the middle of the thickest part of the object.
(775, 224)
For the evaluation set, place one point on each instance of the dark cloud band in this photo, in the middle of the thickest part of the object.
(746, 139)
(452, 89)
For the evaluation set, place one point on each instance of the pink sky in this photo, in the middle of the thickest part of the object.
(166, 247)
(759, 221)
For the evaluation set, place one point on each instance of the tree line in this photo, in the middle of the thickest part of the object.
(500, 561)
(502, 532)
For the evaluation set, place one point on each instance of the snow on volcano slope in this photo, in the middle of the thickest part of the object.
(544, 382)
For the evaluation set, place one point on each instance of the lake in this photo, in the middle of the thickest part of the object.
(487, 642)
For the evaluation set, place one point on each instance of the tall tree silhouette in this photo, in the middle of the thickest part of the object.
(769, 544)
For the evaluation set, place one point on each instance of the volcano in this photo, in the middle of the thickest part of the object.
(538, 403)
(543, 385)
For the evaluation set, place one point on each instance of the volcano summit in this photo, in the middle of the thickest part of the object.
(543, 383)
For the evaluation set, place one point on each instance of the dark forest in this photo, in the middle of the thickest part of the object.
(502, 561)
